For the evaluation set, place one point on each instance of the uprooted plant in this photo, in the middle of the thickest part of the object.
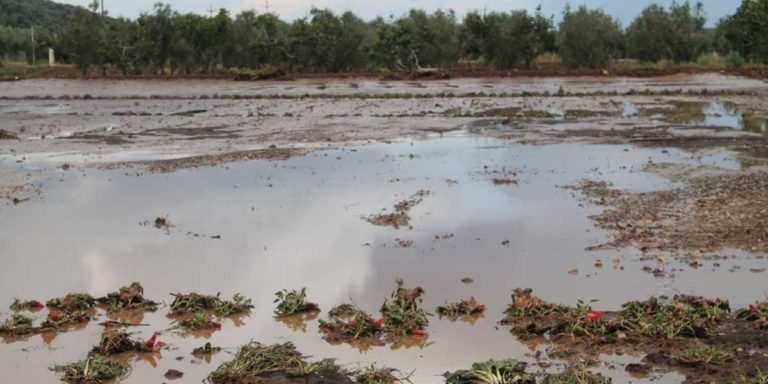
(17, 325)
(194, 302)
(130, 297)
(348, 322)
(375, 375)
(705, 356)
(757, 314)
(575, 376)
(492, 372)
(93, 370)
(72, 302)
(293, 302)
(461, 310)
(254, 361)
(29, 305)
(529, 316)
(63, 319)
(114, 342)
(198, 321)
(402, 312)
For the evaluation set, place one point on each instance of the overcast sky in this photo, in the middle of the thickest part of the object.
(624, 10)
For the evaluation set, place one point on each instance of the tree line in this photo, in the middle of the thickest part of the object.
(164, 40)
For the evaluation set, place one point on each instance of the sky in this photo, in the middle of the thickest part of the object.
(623, 10)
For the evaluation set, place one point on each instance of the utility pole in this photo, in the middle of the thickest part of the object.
(267, 6)
(34, 58)
(102, 9)
(210, 10)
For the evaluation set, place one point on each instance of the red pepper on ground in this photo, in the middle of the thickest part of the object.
(481, 308)
(217, 325)
(53, 316)
(594, 316)
(379, 322)
(152, 340)
(39, 305)
(418, 332)
(752, 308)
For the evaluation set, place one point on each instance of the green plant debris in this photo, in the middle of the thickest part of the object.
(585, 114)
(114, 342)
(206, 349)
(402, 312)
(376, 375)
(254, 361)
(293, 302)
(17, 325)
(198, 321)
(189, 113)
(31, 305)
(5, 135)
(681, 112)
(684, 316)
(577, 376)
(462, 309)
(513, 112)
(59, 319)
(704, 356)
(492, 372)
(530, 316)
(93, 370)
(757, 314)
(194, 302)
(354, 324)
(72, 302)
(758, 378)
(127, 298)
(343, 311)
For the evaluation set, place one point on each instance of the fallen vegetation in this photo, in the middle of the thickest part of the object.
(293, 302)
(348, 323)
(402, 312)
(114, 342)
(93, 370)
(255, 361)
(461, 309)
(127, 298)
(193, 303)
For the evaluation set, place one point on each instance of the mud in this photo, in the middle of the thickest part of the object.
(290, 178)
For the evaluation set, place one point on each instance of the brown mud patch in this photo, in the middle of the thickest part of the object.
(172, 165)
(399, 218)
(707, 213)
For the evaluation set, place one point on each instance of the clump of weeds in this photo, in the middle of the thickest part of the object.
(758, 378)
(757, 314)
(72, 302)
(114, 342)
(350, 324)
(492, 372)
(193, 303)
(17, 325)
(127, 298)
(402, 312)
(293, 302)
(255, 361)
(529, 316)
(30, 305)
(704, 356)
(93, 370)
(375, 375)
(461, 310)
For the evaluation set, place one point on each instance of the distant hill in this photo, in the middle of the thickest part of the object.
(42, 14)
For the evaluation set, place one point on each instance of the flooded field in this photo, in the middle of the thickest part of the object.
(601, 198)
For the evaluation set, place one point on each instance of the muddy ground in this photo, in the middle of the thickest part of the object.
(662, 181)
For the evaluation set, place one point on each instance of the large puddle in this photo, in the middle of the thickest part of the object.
(301, 223)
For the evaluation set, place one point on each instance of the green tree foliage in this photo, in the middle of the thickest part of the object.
(507, 40)
(41, 14)
(156, 37)
(84, 38)
(676, 34)
(588, 38)
(747, 30)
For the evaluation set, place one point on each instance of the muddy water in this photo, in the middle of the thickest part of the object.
(300, 223)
